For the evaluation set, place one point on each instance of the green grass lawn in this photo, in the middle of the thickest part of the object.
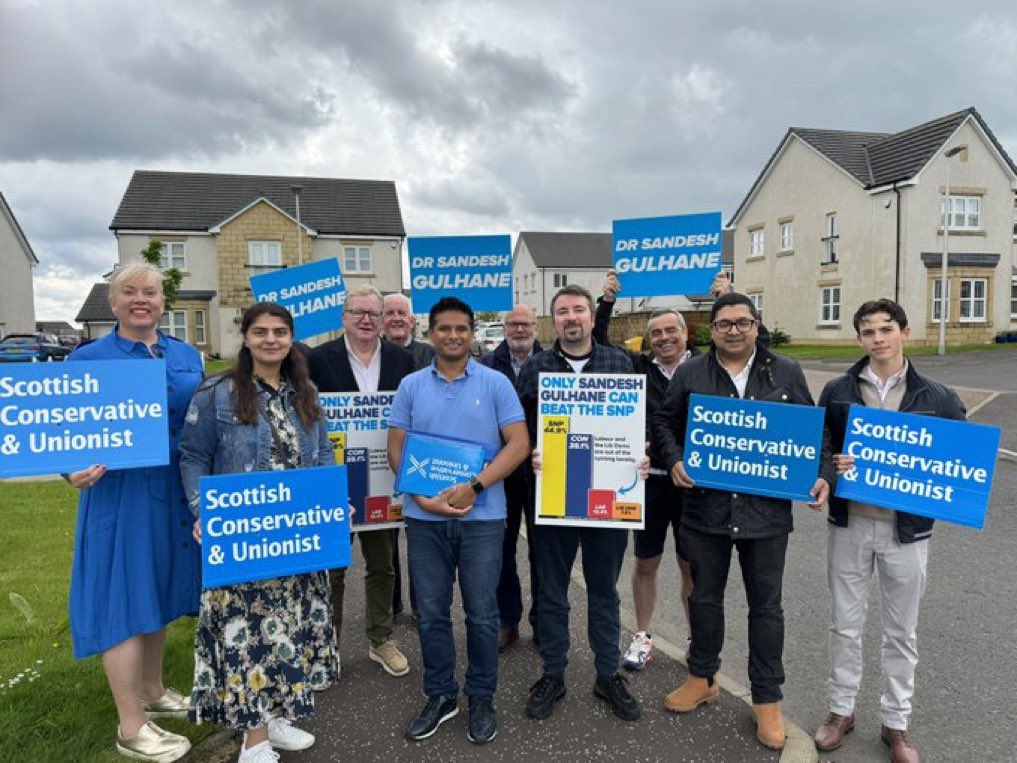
(52, 707)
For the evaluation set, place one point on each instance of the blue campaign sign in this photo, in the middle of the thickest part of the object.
(749, 446)
(663, 256)
(262, 525)
(431, 463)
(934, 467)
(477, 269)
(64, 417)
(313, 293)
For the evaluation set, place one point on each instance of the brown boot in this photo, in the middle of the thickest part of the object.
(830, 735)
(770, 725)
(694, 692)
(901, 749)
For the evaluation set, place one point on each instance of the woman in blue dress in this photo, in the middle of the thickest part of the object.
(263, 648)
(136, 567)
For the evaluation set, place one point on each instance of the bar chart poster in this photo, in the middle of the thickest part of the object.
(591, 434)
(358, 429)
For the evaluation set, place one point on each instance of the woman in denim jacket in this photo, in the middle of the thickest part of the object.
(261, 649)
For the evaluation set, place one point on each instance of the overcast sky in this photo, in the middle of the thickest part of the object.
(491, 117)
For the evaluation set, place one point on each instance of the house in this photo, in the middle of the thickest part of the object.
(17, 299)
(837, 218)
(219, 230)
(543, 262)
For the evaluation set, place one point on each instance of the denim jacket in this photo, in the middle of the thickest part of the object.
(214, 441)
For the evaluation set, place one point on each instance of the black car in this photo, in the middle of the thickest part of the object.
(32, 347)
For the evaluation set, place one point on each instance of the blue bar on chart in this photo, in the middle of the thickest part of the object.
(578, 474)
(358, 479)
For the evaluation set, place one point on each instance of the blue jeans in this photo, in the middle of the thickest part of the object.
(436, 550)
(603, 552)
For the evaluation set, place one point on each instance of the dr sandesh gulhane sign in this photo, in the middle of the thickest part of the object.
(663, 256)
(269, 524)
(754, 447)
(64, 417)
(313, 293)
(476, 269)
(924, 465)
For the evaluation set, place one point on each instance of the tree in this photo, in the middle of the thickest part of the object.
(487, 316)
(171, 277)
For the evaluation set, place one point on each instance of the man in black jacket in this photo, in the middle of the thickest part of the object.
(864, 537)
(360, 362)
(667, 338)
(714, 522)
(519, 344)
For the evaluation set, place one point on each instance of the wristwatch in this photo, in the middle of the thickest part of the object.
(477, 485)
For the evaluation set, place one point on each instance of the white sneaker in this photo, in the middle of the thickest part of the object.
(260, 753)
(640, 651)
(285, 736)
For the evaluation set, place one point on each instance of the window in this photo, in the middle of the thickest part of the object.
(560, 279)
(756, 242)
(172, 255)
(264, 256)
(829, 304)
(964, 212)
(174, 323)
(199, 327)
(757, 300)
(830, 239)
(937, 299)
(972, 300)
(356, 259)
(787, 237)
(1013, 297)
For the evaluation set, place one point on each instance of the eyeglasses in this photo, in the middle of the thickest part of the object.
(358, 314)
(742, 325)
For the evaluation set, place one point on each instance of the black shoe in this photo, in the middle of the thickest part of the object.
(543, 695)
(437, 710)
(483, 724)
(615, 692)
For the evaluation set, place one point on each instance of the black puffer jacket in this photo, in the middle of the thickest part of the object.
(922, 396)
(773, 378)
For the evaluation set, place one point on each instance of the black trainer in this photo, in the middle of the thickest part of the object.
(543, 695)
(437, 710)
(615, 692)
(483, 724)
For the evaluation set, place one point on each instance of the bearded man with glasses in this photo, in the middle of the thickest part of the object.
(715, 522)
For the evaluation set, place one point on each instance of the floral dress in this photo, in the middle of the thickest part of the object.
(262, 649)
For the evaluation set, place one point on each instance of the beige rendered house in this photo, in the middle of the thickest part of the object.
(218, 230)
(17, 303)
(836, 218)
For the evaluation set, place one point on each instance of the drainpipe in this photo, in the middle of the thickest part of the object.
(896, 271)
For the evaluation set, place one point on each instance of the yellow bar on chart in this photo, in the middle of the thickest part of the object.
(552, 474)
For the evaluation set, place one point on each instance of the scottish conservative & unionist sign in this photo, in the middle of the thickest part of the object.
(358, 428)
(662, 256)
(431, 463)
(754, 447)
(591, 434)
(934, 467)
(313, 293)
(64, 417)
(477, 269)
(262, 525)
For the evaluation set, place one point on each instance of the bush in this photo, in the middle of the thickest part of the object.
(701, 334)
(779, 338)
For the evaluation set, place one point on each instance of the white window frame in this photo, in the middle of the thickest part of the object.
(1013, 297)
(174, 323)
(965, 213)
(757, 300)
(829, 305)
(830, 240)
(173, 255)
(937, 286)
(200, 336)
(357, 260)
(757, 242)
(969, 305)
(560, 280)
(787, 236)
(264, 256)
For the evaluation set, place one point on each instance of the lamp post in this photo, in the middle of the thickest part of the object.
(300, 243)
(944, 302)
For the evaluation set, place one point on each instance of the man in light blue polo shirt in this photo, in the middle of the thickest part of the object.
(455, 396)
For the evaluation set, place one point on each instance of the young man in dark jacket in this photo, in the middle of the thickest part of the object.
(864, 537)
(714, 522)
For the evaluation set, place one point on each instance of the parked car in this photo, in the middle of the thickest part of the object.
(487, 338)
(32, 348)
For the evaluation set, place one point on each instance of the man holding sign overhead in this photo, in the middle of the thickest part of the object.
(863, 536)
(714, 522)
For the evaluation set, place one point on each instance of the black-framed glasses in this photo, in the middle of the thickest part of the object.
(742, 325)
(358, 314)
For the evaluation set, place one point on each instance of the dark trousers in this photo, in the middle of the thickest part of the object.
(603, 552)
(519, 506)
(379, 578)
(762, 564)
(397, 589)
